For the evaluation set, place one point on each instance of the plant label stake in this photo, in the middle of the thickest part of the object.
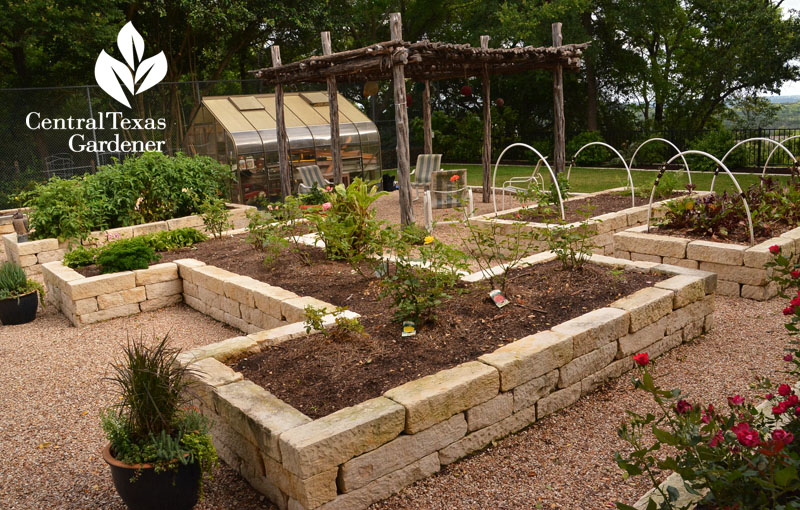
(409, 328)
(498, 298)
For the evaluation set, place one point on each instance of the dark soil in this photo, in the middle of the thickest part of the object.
(576, 210)
(320, 376)
(738, 235)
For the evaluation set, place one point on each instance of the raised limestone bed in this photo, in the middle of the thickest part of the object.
(363, 453)
(31, 255)
(238, 301)
(740, 267)
(605, 225)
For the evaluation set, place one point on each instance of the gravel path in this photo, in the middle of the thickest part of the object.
(50, 437)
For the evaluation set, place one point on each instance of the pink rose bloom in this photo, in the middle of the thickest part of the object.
(747, 436)
(782, 436)
(326, 206)
(716, 440)
(736, 400)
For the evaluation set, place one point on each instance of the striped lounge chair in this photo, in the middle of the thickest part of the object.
(426, 165)
(311, 175)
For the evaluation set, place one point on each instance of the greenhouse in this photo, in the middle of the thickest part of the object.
(242, 131)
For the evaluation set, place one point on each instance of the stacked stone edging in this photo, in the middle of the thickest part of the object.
(605, 225)
(740, 268)
(31, 255)
(364, 453)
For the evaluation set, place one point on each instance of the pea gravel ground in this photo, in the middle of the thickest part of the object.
(52, 391)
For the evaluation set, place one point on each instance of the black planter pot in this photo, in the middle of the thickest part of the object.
(169, 490)
(19, 310)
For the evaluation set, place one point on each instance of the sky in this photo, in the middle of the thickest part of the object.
(791, 88)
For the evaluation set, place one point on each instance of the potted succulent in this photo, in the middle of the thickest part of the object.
(19, 295)
(159, 448)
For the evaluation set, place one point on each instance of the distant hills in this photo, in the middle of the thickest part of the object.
(783, 99)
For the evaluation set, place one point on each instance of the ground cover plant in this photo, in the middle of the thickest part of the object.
(740, 457)
(774, 207)
(151, 187)
(15, 283)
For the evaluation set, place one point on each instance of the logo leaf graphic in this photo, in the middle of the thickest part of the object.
(152, 71)
(109, 72)
(131, 44)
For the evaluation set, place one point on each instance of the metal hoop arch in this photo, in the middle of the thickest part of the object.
(627, 168)
(777, 144)
(685, 164)
(719, 163)
(764, 171)
(542, 158)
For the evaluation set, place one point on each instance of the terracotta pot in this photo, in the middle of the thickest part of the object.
(19, 310)
(168, 490)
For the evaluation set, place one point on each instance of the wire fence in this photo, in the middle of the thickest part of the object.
(32, 151)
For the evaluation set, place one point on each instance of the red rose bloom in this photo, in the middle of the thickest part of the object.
(795, 301)
(788, 357)
(705, 418)
(784, 390)
(793, 400)
(782, 436)
(774, 249)
(736, 400)
(683, 407)
(748, 436)
(781, 408)
(789, 310)
(795, 274)
(769, 396)
(641, 359)
(716, 440)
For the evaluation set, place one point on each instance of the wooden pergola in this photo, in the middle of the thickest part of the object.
(421, 61)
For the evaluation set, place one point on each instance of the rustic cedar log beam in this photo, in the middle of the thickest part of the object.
(283, 148)
(401, 121)
(426, 118)
(559, 146)
(486, 156)
(333, 110)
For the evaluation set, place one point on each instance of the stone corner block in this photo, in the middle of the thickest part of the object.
(101, 284)
(595, 329)
(646, 306)
(530, 357)
(686, 288)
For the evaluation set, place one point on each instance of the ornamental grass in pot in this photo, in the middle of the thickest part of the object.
(19, 295)
(159, 450)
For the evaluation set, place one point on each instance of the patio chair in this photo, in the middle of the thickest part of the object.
(311, 175)
(445, 193)
(520, 183)
(426, 165)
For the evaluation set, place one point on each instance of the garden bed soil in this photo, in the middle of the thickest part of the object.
(319, 376)
(577, 209)
(739, 235)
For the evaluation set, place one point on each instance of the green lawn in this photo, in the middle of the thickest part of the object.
(592, 179)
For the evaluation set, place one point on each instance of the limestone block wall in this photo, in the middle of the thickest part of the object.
(740, 268)
(240, 301)
(364, 453)
(605, 225)
(86, 300)
(31, 255)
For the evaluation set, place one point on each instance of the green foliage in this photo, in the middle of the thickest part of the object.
(349, 228)
(216, 217)
(571, 244)
(15, 283)
(716, 142)
(274, 230)
(667, 185)
(169, 240)
(344, 328)
(126, 255)
(414, 234)
(314, 197)
(80, 256)
(592, 155)
(151, 187)
(151, 423)
(417, 286)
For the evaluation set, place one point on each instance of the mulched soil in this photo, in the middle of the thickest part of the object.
(320, 376)
(577, 209)
(738, 235)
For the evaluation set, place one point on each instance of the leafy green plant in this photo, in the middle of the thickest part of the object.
(315, 196)
(344, 328)
(417, 287)
(666, 186)
(15, 283)
(216, 217)
(80, 256)
(414, 234)
(126, 255)
(151, 422)
(274, 231)
(571, 244)
(716, 142)
(169, 240)
(60, 208)
(592, 155)
(349, 227)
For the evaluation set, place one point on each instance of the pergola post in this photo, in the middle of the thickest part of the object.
(487, 125)
(283, 148)
(559, 142)
(426, 118)
(401, 121)
(333, 105)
